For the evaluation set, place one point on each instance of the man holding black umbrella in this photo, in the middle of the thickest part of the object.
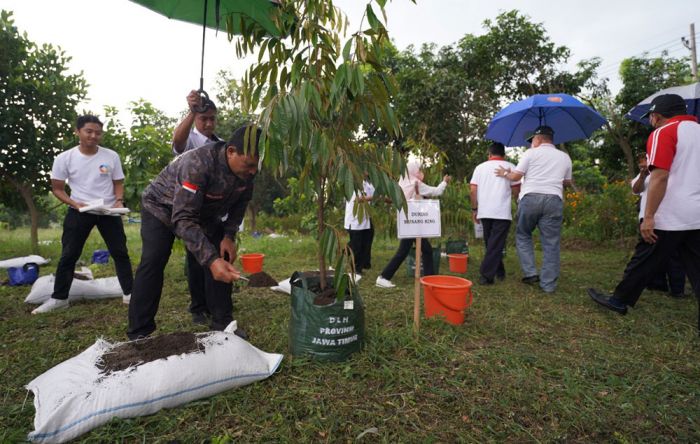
(546, 171)
(672, 211)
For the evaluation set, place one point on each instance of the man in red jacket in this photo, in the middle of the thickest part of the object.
(672, 211)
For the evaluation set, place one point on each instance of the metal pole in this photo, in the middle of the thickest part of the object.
(204, 35)
(693, 52)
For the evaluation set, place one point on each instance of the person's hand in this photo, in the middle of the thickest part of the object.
(227, 247)
(77, 204)
(474, 218)
(222, 271)
(646, 229)
(501, 172)
(447, 178)
(193, 99)
(119, 203)
(644, 171)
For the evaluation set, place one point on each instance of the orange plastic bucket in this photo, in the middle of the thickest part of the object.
(447, 296)
(458, 262)
(252, 262)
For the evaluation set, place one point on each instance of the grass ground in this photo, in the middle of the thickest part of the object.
(525, 366)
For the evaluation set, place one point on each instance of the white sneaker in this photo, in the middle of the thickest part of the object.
(355, 277)
(384, 283)
(50, 305)
(126, 299)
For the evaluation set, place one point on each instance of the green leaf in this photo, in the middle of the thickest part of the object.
(346, 50)
(374, 22)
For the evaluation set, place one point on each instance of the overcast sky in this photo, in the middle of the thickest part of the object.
(127, 52)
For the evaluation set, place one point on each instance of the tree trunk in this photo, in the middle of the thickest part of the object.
(319, 215)
(26, 192)
(625, 147)
(252, 212)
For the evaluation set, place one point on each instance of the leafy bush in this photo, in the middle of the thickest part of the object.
(607, 215)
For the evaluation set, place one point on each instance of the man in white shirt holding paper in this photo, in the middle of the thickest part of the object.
(93, 173)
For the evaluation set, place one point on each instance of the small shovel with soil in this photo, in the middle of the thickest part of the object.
(260, 279)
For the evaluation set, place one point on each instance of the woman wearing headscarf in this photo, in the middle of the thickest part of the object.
(413, 188)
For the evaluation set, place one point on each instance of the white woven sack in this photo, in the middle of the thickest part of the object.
(283, 287)
(21, 261)
(73, 397)
(92, 289)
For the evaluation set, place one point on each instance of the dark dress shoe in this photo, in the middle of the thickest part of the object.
(200, 318)
(609, 302)
(531, 280)
(485, 281)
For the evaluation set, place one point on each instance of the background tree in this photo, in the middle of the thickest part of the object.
(447, 96)
(625, 139)
(144, 148)
(37, 111)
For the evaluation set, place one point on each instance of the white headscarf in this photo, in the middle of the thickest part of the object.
(414, 176)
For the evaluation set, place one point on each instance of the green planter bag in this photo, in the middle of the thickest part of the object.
(411, 261)
(330, 332)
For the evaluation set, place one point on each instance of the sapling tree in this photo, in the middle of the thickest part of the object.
(315, 93)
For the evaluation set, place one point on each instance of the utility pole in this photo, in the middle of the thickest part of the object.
(690, 44)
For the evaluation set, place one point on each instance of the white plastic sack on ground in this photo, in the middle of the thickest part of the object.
(92, 289)
(283, 287)
(74, 397)
(20, 261)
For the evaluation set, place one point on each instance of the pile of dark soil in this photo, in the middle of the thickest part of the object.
(261, 279)
(325, 297)
(135, 353)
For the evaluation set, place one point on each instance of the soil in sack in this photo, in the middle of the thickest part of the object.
(261, 279)
(135, 353)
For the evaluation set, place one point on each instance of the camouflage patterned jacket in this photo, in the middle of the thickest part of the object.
(193, 193)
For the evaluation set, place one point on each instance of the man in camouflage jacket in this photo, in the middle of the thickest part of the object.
(188, 199)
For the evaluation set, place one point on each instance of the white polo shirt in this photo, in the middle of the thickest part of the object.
(544, 169)
(351, 221)
(493, 193)
(642, 195)
(675, 147)
(89, 177)
(196, 139)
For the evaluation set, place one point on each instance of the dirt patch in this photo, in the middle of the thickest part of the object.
(135, 353)
(326, 297)
(261, 279)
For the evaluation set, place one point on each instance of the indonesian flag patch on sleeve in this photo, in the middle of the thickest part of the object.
(192, 188)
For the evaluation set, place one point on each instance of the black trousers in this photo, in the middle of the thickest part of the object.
(495, 235)
(400, 255)
(361, 246)
(672, 278)
(648, 259)
(76, 229)
(157, 241)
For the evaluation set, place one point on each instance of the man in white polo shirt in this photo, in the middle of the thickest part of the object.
(546, 171)
(672, 211)
(490, 199)
(92, 172)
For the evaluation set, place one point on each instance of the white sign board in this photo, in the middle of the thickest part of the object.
(423, 219)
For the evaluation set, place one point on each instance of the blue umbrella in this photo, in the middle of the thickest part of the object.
(568, 117)
(690, 93)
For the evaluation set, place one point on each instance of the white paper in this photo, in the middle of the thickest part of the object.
(98, 207)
